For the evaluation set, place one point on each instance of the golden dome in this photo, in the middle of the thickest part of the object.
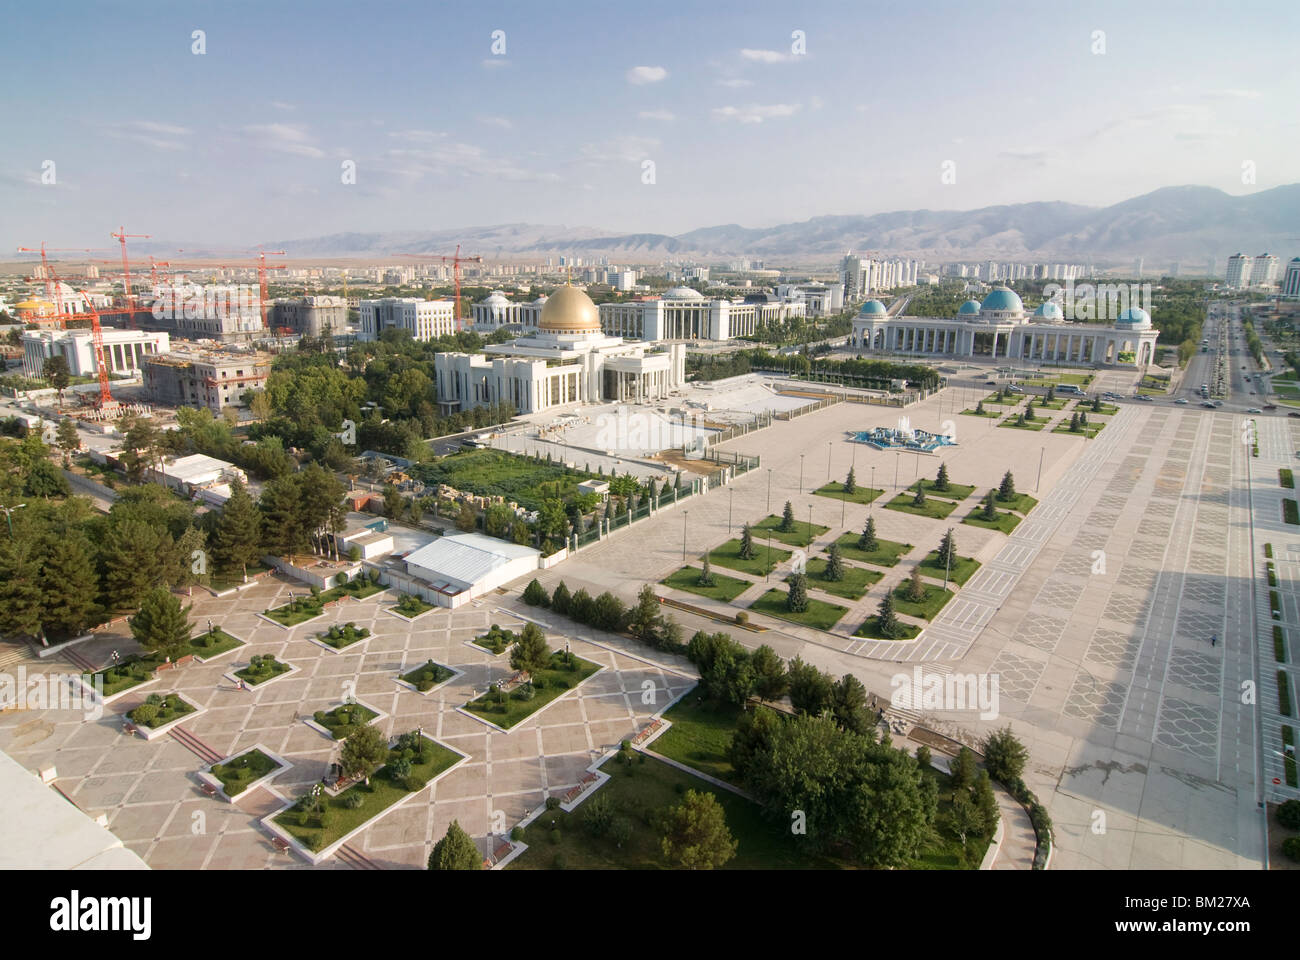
(35, 306)
(569, 310)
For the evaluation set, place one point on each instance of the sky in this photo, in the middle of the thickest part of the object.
(622, 116)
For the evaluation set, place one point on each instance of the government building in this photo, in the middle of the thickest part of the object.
(566, 359)
(999, 328)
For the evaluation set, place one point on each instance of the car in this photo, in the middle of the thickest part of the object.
(1181, 400)
(1217, 403)
(1207, 403)
(1144, 398)
(1270, 406)
(1254, 410)
(1293, 414)
(1012, 388)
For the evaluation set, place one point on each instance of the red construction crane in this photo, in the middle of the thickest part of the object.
(53, 292)
(105, 395)
(262, 267)
(455, 260)
(121, 237)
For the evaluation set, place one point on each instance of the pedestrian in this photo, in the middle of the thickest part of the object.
(1214, 640)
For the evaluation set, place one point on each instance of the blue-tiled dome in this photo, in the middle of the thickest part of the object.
(1133, 317)
(968, 308)
(1002, 299)
(1049, 310)
(872, 308)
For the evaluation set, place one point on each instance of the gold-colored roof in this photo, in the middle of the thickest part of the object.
(569, 310)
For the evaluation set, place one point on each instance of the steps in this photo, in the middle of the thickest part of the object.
(356, 860)
(194, 745)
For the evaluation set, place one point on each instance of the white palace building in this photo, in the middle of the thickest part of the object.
(567, 359)
(999, 328)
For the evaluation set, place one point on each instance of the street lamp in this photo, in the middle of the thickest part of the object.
(769, 489)
(730, 497)
(767, 562)
(810, 533)
(829, 445)
(801, 473)
(9, 515)
(897, 459)
(1041, 454)
(872, 501)
(684, 514)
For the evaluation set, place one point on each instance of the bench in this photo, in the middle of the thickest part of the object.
(208, 789)
(280, 844)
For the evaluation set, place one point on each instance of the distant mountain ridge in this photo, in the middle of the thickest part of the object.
(1188, 223)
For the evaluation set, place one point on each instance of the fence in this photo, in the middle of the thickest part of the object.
(603, 528)
(810, 408)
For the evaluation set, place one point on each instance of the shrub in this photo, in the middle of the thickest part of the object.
(517, 834)
(353, 800)
(1291, 847)
(552, 803)
(524, 692)
(413, 783)
(399, 770)
(145, 714)
(555, 836)
(153, 699)
(559, 863)
(1288, 814)
(598, 815)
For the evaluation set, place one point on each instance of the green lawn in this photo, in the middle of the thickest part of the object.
(800, 536)
(724, 588)
(1021, 502)
(819, 615)
(963, 568)
(987, 413)
(700, 735)
(870, 628)
(886, 553)
(955, 491)
(411, 606)
(206, 646)
(345, 718)
(496, 641)
(305, 608)
(1005, 523)
(857, 581)
(1011, 400)
(1035, 425)
(934, 600)
(340, 820)
(934, 508)
(860, 493)
(428, 675)
(765, 558)
(1091, 430)
(263, 668)
(170, 707)
(498, 473)
(1042, 403)
(242, 770)
(548, 685)
(344, 635)
(131, 672)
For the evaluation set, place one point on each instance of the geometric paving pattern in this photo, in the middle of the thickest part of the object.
(1040, 631)
(1058, 592)
(1095, 700)
(1189, 727)
(1127, 609)
(1017, 676)
(1195, 670)
(1112, 647)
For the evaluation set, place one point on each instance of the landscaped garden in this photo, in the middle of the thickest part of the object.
(262, 668)
(411, 606)
(871, 630)
(525, 480)
(318, 820)
(819, 614)
(1004, 521)
(339, 637)
(211, 644)
(948, 491)
(1020, 502)
(933, 507)
(343, 719)
(160, 709)
(853, 582)
(885, 553)
(859, 495)
(1018, 423)
(428, 675)
(700, 735)
(496, 641)
(237, 773)
(961, 569)
(917, 598)
(722, 587)
(564, 671)
(1089, 431)
(765, 558)
(797, 533)
(131, 672)
(301, 609)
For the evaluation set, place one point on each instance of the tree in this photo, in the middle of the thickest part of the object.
(868, 541)
(986, 802)
(1074, 422)
(190, 558)
(941, 481)
(915, 585)
(811, 690)
(850, 483)
(236, 542)
(455, 851)
(923, 756)
(22, 594)
(963, 817)
(466, 519)
(1007, 488)
(796, 600)
(886, 619)
(560, 598)
(530, 653)
(850, 705)
(747, 551)
(1004, 755)
(45, 480)
(962, 770)
(695, 833)
(706, 574)
(1096, 404)
(535, 594)
(919, 499)
(770, 679)
(753, 736)
(56, 373)
(646, 621)
(990, 511)
(834, 571)
(787, 518)
(71, 584)
(162, 624)
(979, 408)
(1029, 411)
(135, 558)
(68, 440)
(1051, 392)
(947, 552)
(1083, 418)
(363, 751)
(283, 531)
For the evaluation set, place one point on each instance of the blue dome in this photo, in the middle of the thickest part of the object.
(872, 308)
(1000, 298)
(968, 308)
(1049, 310)
(1133, 317)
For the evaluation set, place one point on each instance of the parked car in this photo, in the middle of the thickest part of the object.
(1254, 410)
(1293, 414)
(1181, 400)
(1270, 406)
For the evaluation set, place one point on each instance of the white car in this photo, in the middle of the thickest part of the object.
(1254, 410)
(1181, 400)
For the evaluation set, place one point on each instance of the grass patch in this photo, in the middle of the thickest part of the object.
(428, 675)
(158, 711)
(1268, 550)
(1106, 410)
(987, 413)
(1021, 502)
(856, 582)
(1034, 425)
(724, 588)
(411, 606)
(1011, 399)
(800, 535)
(963, 568)
(496, 641)
(700, 735)
(935, 509)
(820, 615)
(1286, 478)
(301, 609)
(871, 629)
(955, 491)
(1091, 430)
(498, 473)
(1042, 403)
(886, 553)
(1272, 575)
(131, 672)
(1279, 644)
(934, 600)
(208, 645)
(343, 719)
(262, 669)
(1005, 522)
(860, 494)
(764, 561)
(344, 813)
(236, 774)
(507, 709)
(1288, 760)
(339, 637)
(1283, 694)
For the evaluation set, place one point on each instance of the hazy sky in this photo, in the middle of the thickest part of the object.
(246, 142)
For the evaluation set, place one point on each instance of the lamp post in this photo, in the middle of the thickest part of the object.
(801, 473)
(684, 515)
(872, 502)
(947, 565)
(769, 489)
(730, 497)
(810, 533)
(767, 563)
(897, 458)
(9, 515)
(829, 445)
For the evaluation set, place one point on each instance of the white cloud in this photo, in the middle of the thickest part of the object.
(756, 112)
(766, 56)
(459, 159)
(656, 115)
(735, 83)
(629, 149)
(281, 105)
(494, 63)
(159, 136)
(501, 122)
(417, 136)
(640, 76)
(284, 138)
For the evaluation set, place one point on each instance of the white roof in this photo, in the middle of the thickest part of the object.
(195, 465)
(466, 558)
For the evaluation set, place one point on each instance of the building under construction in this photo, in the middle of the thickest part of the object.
(215, 379)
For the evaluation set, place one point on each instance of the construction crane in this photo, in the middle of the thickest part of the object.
(262, 267)
(106, 400)
(455, 260)
(121, 237)
(53, 291)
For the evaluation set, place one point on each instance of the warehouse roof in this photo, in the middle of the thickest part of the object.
(466, 558)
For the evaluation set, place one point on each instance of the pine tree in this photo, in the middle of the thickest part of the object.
(1007, 489)
(919, 499)
(560, 598)
(706, 574)
(747, 551)
(990, 511)
(1051, 392)
(850, 483)
(68, 440)
(1029, 411)
(834, 564)
(455, 851)
(22, 597)
(1083, 418)
(916, 586)
(535, 594)
(162, 624)
(868, 541)
(71, 584)
(941, 480)
(886, 619)
(986, 803)
(796, 600)
(237, 541)
(979, 408)
(787, 518)
(1074, 422)
(1096, 404)
(1020, 420)
(136, 558)
(947, 553)
(283, 533)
